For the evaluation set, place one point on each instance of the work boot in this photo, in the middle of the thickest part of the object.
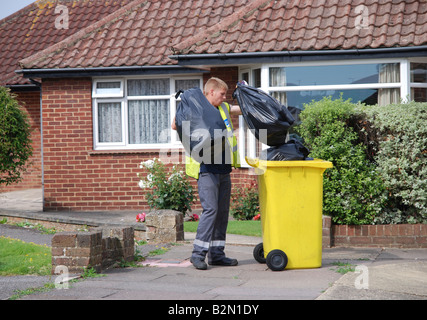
(224, 262)
(198, 263)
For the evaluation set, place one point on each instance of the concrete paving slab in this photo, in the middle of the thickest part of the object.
(382, 281)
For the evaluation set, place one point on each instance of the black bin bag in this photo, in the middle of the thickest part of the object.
(291, 150)
(263, 112)
(196, 120)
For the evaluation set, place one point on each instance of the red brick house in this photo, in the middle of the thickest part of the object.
(99, 77)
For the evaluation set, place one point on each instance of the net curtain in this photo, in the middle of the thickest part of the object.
(148, 121)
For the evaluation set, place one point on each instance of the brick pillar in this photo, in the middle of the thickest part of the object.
(77, 251)
(117, 244)
(165, 226)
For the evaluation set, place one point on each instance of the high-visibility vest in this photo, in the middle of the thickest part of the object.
(192, 167)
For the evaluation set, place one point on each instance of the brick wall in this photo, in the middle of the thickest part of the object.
(75, 177)
(394, 235)
(32, 178)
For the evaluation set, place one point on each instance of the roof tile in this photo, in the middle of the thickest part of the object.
(32, 29)
(338, 22)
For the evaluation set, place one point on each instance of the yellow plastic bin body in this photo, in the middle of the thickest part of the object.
(291, 199)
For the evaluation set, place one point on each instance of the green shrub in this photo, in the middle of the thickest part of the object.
(15, 142)
(353, 190)
(401, 132)
(245, 202)
(173, 192)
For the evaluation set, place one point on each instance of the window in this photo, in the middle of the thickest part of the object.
(368, 81)
(148, 111)
(418, 81)
(137, 113)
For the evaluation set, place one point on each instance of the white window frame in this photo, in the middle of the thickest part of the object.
(247, 141)
(174, 143)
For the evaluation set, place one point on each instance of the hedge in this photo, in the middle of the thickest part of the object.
(379, 156)
(400, 132)
(15, 142)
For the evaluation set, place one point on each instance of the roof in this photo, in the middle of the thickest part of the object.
(138, 34)
(33, 29)
(146, 33)
(296, 25)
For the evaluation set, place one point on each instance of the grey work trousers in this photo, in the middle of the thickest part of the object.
(214, 193)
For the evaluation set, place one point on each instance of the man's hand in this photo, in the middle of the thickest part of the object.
(235, 109)
(173, 125)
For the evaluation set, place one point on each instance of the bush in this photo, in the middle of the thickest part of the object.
(401, 132)
(174, 192)
(245, 202)
(353, 190)
(15, 142)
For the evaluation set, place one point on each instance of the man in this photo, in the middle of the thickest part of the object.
(214, 185)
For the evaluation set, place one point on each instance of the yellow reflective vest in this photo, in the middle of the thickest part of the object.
(192, 167)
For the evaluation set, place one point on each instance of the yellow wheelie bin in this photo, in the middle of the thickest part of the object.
(291, 197)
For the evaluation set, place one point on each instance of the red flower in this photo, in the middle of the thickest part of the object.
(194, 217)
(257, 217)
(140, 217)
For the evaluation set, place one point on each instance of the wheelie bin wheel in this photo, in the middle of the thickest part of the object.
(277, 260)
(259, 253)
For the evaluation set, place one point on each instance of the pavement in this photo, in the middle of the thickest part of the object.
(376, 273)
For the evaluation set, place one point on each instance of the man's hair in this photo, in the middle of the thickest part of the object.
(214, 83)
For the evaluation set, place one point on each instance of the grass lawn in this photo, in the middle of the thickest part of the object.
(22, 258)
(245, 228)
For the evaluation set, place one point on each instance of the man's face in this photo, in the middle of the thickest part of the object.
(217, 96)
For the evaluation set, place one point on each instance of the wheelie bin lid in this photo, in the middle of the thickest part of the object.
(315, 163)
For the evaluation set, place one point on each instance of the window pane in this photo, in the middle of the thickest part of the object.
(245, 77)
(149, 121)
(419, 94)
(148, 87)
(105, 88)
(256, 78)
(186, 84)
(109, 122)
(330, 75)
(105, 85)
(419, 72)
